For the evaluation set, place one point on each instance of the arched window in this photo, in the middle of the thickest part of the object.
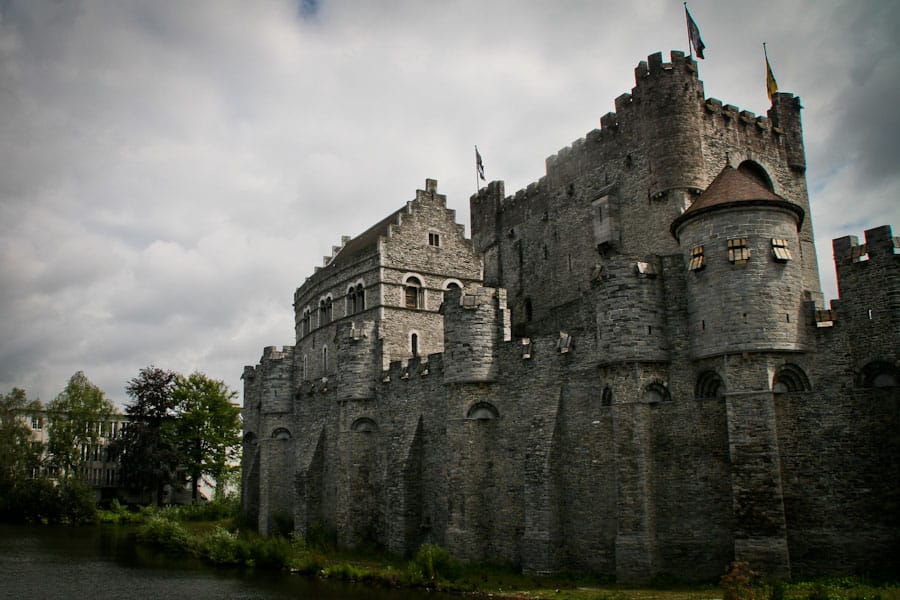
(789, 379)
(482, 411)
(328, 310)
(364, 425)
(322, 320)
(879, 374)
(412, 293)
(414, 344)
(709, 385)
(756, 172)
(656, 392)
(281, 434)
(351, 301)
(360, 297)
(606, 397)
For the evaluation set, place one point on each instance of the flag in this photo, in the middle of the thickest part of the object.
(694, 34)
(771, 84)
(479, 166)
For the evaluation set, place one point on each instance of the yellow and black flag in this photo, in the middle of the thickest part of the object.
(771, 84)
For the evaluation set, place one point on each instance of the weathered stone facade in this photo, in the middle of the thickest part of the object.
(628, 370)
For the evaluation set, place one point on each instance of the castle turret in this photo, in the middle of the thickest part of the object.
(485, 214)
(474, 327)
(357, 359)
(668, 98)
(745, 274)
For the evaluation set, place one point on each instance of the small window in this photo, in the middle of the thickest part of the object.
(738, 251)
(434, 239)
(412, 293)
(37, 422)
(351, 301)
(606, 397)
(482, 411)
(414, 344)
(364, 425)
(325, 359)
(698, 262)
(360, 297)
(781, 251)
(790, 379)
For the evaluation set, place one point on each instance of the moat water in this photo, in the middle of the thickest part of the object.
(96, 563)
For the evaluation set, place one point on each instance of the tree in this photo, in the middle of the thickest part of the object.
(207, 430)
(147, 454)
(20, 456)
(74, 422)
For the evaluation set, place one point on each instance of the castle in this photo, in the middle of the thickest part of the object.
(627, 370)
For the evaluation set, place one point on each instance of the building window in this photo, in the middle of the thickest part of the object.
(482, 411)
(698, 262)
(414, 344)
(655, 393)
(434, 239)
(879, 374)
(364, 425)
(738, 251)
(360, 297)
(781, 251)
(37, 422)
(351, 301)
(606, 397)
(324, 360)
(789, 379)
(709, 385)
(412, 292)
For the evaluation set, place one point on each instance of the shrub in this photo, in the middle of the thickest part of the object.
(432, 563)
(164, 532)
(223, 547)
(740, 583)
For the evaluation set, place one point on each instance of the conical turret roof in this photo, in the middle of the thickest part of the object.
(732, 188)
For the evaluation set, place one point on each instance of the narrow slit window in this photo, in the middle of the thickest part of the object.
(781, 251)
(698, 261)
(738, 251)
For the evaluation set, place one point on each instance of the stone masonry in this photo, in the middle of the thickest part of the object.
(628, 370)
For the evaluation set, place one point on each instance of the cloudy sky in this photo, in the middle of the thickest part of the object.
(171, 171)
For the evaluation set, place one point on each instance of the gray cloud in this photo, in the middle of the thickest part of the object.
(171, 172)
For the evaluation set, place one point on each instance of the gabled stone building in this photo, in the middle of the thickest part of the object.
(628, 370)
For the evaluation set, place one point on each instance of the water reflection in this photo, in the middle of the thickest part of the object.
(105, 562)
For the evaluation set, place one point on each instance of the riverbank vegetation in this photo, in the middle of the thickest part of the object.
(208, 531)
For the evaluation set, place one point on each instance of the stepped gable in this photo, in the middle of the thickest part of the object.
(367, 240)
(729, 189)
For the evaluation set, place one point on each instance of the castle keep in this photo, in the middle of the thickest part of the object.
(629, 368)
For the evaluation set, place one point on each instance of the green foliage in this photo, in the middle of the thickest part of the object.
(433, 563)
(40, 501)
(74, 420)
(164, 532)
(147, 454)
(20, 456)
(207, 430)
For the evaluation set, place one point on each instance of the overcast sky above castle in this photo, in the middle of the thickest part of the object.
(171, 171)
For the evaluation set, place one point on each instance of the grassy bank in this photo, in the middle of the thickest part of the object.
(210, 532)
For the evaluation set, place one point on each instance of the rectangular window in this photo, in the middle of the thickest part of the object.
(738, 251)
(434, 239)
(781, 251)
(37, 423)
(698, 262)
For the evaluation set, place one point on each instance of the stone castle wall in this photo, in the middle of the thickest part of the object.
(589, 402)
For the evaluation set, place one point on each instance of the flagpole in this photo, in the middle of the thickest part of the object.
(690, 45)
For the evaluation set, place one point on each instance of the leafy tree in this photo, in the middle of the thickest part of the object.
(20, 456)
(147, 453)
(75, 418)
(207, 430)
